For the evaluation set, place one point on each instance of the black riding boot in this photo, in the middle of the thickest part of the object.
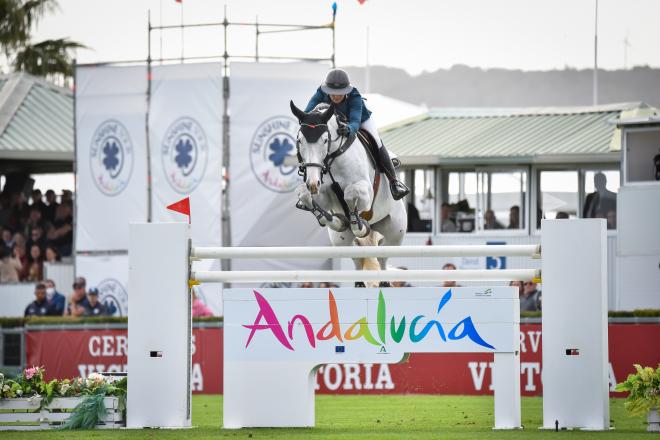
(399, 189)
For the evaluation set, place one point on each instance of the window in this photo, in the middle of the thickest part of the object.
(457, 212)
(420, 201)
(483, 200)
(557, 195)
(600, 189)
(502, 199)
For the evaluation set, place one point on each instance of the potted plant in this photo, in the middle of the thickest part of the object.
(644, 395)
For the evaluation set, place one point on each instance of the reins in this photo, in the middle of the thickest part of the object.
(326, 166)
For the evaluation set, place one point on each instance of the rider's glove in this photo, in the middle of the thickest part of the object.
(343, 130)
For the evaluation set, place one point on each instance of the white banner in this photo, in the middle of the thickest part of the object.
(263, 133)
(109, 274)
(185, 135)
(111, 165)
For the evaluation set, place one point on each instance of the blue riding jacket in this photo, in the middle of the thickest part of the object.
(353, 107)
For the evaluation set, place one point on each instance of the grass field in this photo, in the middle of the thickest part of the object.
(375, 417)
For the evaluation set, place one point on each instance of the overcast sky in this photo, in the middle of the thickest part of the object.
(416, 35)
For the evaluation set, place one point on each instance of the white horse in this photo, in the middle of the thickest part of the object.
(327, 159)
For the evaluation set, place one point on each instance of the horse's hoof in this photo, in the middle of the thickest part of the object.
(360, 284)
(384, 284)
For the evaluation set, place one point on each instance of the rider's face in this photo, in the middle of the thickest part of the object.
(337, 98)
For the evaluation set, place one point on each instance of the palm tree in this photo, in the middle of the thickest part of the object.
(49, 58)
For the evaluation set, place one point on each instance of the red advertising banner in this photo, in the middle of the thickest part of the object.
(70, 353)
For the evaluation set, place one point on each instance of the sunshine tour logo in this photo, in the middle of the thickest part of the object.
(360, 329)
(185, 153)
(273, 141)
(111, 157)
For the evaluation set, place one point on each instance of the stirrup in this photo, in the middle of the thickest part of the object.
(398, 189)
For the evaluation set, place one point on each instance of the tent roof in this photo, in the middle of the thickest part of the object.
(36, 120)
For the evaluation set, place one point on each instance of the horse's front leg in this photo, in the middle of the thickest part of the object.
(358, 198)
(307, 203)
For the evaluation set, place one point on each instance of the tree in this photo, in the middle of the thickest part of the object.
(48, 58)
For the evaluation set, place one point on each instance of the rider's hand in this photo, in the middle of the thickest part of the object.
(343, 130)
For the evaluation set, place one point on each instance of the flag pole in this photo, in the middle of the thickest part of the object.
(181, 2)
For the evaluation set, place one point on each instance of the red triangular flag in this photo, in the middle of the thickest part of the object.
(182, 206)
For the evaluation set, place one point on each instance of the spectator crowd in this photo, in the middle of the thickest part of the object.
(33, 233)
(48, 301)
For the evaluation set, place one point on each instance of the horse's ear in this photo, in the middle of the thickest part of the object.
(325, 117)
(296, 111)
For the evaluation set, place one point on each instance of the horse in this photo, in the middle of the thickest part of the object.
(342, 186)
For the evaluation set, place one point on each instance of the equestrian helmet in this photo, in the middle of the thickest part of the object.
(337, 83)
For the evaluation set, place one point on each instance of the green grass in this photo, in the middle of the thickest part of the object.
(375, 417)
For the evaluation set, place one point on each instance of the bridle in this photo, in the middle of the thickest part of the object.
(326, 166)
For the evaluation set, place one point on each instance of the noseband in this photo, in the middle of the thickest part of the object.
(329, 158)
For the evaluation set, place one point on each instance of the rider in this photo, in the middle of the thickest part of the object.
(347, 100)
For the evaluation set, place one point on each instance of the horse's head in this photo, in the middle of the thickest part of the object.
(313, 144)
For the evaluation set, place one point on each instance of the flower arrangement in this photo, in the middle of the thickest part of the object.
(31, 384)
(644, 389)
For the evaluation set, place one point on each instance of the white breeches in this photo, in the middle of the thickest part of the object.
(372, 128)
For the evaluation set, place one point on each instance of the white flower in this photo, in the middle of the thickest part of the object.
(5, 388)
(19, 392)
(95, 379)
(65, 387)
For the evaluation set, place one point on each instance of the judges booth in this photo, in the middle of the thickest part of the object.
(638, 240)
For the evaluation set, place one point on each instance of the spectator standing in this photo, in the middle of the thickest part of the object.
(56, 301)
(36, 221)
(561, 215)
(67, 196)
(306, 285)
(35, 270)
(199, 309)
(450, 266)
(77, 300)
(51, 206)
(61, 234)
(38, 307)
(600, 202)
(10, 267)
(530, 300)
(93, 306)
(38, 202)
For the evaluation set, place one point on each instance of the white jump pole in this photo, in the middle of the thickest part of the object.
(247, 276)
(367, 251)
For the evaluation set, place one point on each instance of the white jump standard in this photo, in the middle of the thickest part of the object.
(275, 339)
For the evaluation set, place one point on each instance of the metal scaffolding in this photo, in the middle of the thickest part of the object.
(260, 29)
